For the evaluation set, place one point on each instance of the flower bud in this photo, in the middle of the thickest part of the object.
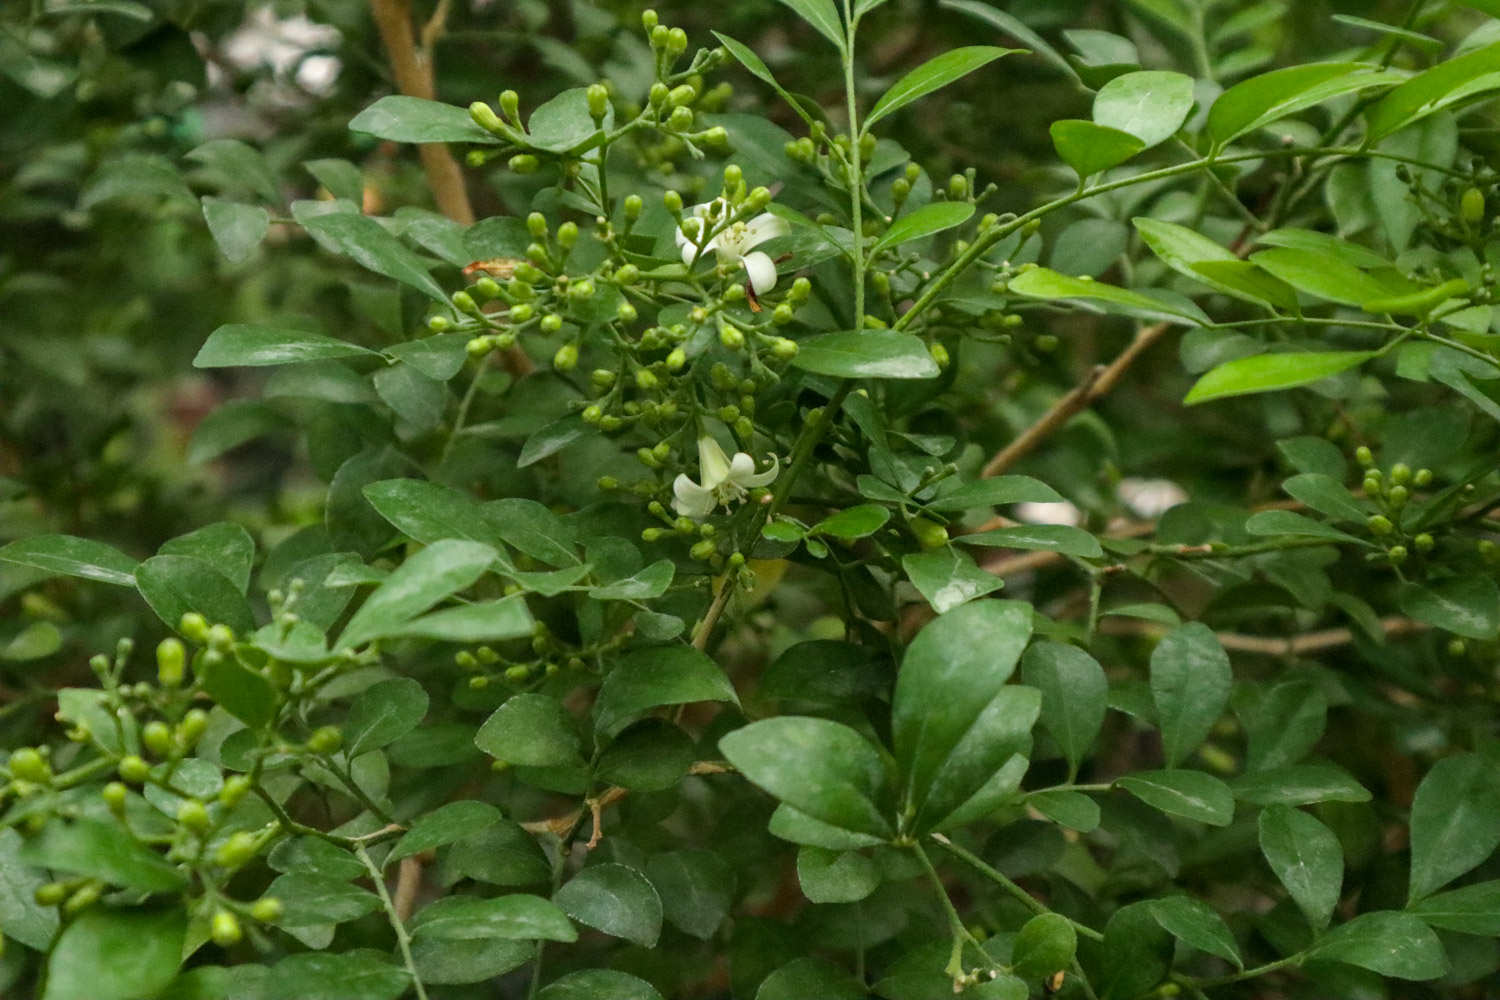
(510, 105)
(220, 637)
(703, 550)
(581, 290)
(783, 314)
(598, 101)
(672, 201)
(1363, 456)
(236, 787)
(633, 206)
(50, 893)
(1422, 477)
(236, 850)
(438, 324)
(1400, 474)
(82, 898)
(1397, 496)
(939, 354)
(522, 312)
(551, 323)
(567, 235)
(782, 348)
(325, 739)
(1379, 525)
(645, 379)
(134, 770)
(190, 730)
(484, 116)
(929, 534)
(171, 662)
(1396, 554)
(114, 795)
(658, 94)
(958, 187)
(677, 41)
(194, 626)
(1456, 647)
(715, 137)
(225, 929)
(536, 225)
(731, 337)
(26, 764)
(157, 737)
(1424, 542)
(479, 346)
(266, 909)
(681, 96)
(1471, 206)
(566, 358)
(488, 288)
(464, 302)
(651, 534)
(676, 360)
(744, 428)
(649, 19)
(680, 120)
(800, 290)
(659, 36)
(193, 814)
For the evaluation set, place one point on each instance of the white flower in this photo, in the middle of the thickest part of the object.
(725, 480)
(1150, 498)
(733, 243)
(1057, 512)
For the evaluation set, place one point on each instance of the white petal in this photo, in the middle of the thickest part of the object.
(765, 478)
(762, 271)
(713, 464)
(741, 467)
(689, 253)
(691, 500)
(765, 227)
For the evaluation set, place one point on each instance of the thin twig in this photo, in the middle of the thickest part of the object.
(1294, 645)
(397, 922)
(560, 826)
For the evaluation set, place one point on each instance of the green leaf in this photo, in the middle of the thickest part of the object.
(444, 825)
(65, 555)
(615, 899)
(518, 917)
(175, 585)
(1321, 276)
(1323, 245)
(1137, 952)
(430, 512)
(358, 974)
(799, 828)
(1243, 280)
(644, 585)
(235, 165)
(438, 571)
(948, 577)
(1042, 283)
(244, 693)
(1270, 97)
(564, 125)
(533, 730)
(439, 357)
(954, 720)
(1062, 538)
(1285, 725)
(1149, 104)
(1298, 785)
(1190, 794)
(599, 984)
(808, 977)
(853, 522)
(1397, 945)
(650, 756)
(1016, 28)
(995, 492)
(102, 850)
(1474, 909)
(1044, 945)
(1197, 925)
(655, 676)
(1306, 857)
(757, 67)
(485, 621)
(230, 426)
(1464, 605)
(22, 918)
(382, 714)
(932, 75)
(341, 178)
(1442, 86)
(1187, 252)
(551, 439)
(1074, 695)
(696, 889)
(1325, 495)
(1074, 810)
(412, 119)
(247, 345)
(1455, 821)
(1090, 148)
(868, 354)
(237, 228)
(1190, 682)
(835, 876)
(116, 954)
(934, 217)
(225, 546)
(366, 242)
(1289, 522)
(135, 175)
(311, 900)
(823, 16)
(821, 768)
(1270, 372)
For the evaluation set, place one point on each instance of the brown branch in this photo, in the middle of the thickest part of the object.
(411, 64)
(1098, 383)
(1296, 645)
(408, 882)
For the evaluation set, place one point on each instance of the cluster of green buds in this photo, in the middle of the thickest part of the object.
(545, 656)
(1391, 491)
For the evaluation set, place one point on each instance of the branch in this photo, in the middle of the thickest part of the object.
(1098, 383)
(1295, 645)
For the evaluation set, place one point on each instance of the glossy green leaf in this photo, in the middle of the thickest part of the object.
(615, 899)
(1196, 256)
(416, 400)
(104, 850)
(1306, 857)
(1148, 104)
(823, 16)
(358, 974)
(518, 916)
(563, 124)
(225, 546)
(810, 977)
(1090, 148)
(819, 767)
(175, 585)
(1397, 945)
(65, 555)
(533, 730)
(310, 900)
(1442, 86)
(237, 228)
(1270, 97)
(1041, 283)
(643, 585)
(932, 75)
(438, 571)
(948, 577)
(655, 676)
(483, 621)
(1455, 821)
(366, 242)
(1298, 785)
(1074, 810)
(116, 954)
(430, 512)
(835, 876)
(1044, 945)
(932, 218)
(1192, 795)
(995, 492)
(1325, 495)
(444, 825)
(246, 694)
(1014, 27)
(1243, 280)
(1474, 909)
(383, 713)
(1285, 725)
(22, 918)
(1271, 372)
(860, 521)
(1464, 605)
(1197, 925)
(870, 354)
(599, 984)
(411, 119)
(1321, 276)
(1190, 681)
(696, 889)
(246, 345)
(1074, 695)
(1289, 522)
(1062, 538)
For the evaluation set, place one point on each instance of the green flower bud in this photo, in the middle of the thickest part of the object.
(478, 683)
(567, 235)
(658, 94)
(464, 302)
(237, 850)
(681, 96)
(660, 36)
(566, 358)
(50, 893)
(645, 379)
(800, 290)
(190, 730)
(134, 770)
(729, 413)
(1400, 474)
(235, 788)
(680, 120)
(929, 534)
(672, 201)
(731, 337)
(704, 550)
(526, 276)
(734, 293)
(488, 288)
(220, 637)
(479, 346)
(517, 674)
(1363, 456)
(744, 428)
(193, 815)
(27, 764)
(157, 737)
(194, 626)
(1457, 647)
(551, 323)
(782, 348)
(510, 105)
(592, 413)
(1424, 542)
(581, 290)
(523, 163)
(1471, 206)
(677, 41)
(114, 795)
(1396, 554)
(610, 423)
(602, 378)
(647, 457)
(171, 662)
(1046, 343)
(438, 324)
(1422, 477)
(1371, 486)
(627, 275)
(607, 483)
(783, 314)
(266, 909)
(958, 187)
(1397, 496)
(651, 534)
(598, 101)
(83, 897)
(484, 116)
(225, 929)
(649, 19)
(881, 282)
(1379, 525)
(633, 208)
(325, 739)
(522, 312)
(939, 354)
(536, 225)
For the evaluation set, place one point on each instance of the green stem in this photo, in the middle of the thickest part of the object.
(1025, 898)
(403, 940)
(961, 935)
(855, 171)
(1236, 977)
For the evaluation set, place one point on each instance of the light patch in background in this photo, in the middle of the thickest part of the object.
(1061, 512)
(291, 47)
(1150, 498)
